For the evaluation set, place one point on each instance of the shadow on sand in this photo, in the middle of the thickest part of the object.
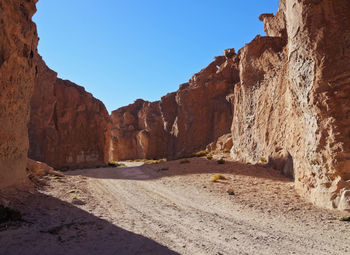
(52, 226)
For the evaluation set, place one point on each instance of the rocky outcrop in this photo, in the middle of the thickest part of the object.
(18, 41)
(68, 127)
(181, 122)
(291, 106)
(137, 132)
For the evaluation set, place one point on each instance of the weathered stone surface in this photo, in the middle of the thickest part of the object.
(38, 168)
(68, 128)
(223, 143)
(18, 41)
(137, 132)
(182, 122)
(291, 105)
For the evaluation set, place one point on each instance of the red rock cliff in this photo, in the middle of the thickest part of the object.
(18, 41)
(68, 126)
(181, 122)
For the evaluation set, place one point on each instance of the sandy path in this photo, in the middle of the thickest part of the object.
(172, 208)
(192, 221)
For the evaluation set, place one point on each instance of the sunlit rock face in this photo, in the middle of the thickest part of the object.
(68, 128)
(18, 42)
(182, 122)
(292, 104)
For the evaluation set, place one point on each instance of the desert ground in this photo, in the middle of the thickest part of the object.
(171, 208)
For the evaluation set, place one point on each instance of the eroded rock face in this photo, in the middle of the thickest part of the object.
(182, 122)
(68, 128)
(292, 104)
(138, 132)
(18, 42)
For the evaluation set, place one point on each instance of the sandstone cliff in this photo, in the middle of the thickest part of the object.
(291, 106)
(68, 127)
(181, 122)
(18, 41)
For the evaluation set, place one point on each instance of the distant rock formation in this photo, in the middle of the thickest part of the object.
(18, 42)
(68, 127)
(181, 122)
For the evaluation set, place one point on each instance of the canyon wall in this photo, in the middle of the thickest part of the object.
(182, 122)
(292, 104)
(68, 127)
(18, 42)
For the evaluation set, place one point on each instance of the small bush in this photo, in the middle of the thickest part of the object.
(115, 164)
(209, 156)
(155, 161)
(221, 161)
(227, 151)
(201, 153)
(263, 160)
(185, 161)
(217, 177)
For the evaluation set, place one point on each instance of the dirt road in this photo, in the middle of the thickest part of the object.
(173, 208)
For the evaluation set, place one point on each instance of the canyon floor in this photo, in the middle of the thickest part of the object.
(171, 208)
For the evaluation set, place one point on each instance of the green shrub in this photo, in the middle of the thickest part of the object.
(201, 153)
(155, 161)
(263, 160)
(115, 164)
(217, 177)
(209, 156)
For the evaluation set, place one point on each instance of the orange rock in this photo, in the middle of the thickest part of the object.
(18, 41)
(68, 128)
(182, 122)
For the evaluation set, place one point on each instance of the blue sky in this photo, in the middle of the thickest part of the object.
(124, 50)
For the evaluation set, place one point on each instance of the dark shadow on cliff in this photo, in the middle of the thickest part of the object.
(52, 226)
(177, 167)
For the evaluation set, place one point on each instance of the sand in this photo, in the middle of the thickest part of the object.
(172, 208)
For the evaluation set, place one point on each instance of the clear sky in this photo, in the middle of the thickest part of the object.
(122, 50)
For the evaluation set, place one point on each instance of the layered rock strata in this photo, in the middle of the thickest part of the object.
(18, 42)
(182, 122)
(68, 127)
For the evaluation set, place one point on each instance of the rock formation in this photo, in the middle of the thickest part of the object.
(292, 104)
(18, 42)
(68, 127)
(290, 101)
(285, 96)
(181, 122)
